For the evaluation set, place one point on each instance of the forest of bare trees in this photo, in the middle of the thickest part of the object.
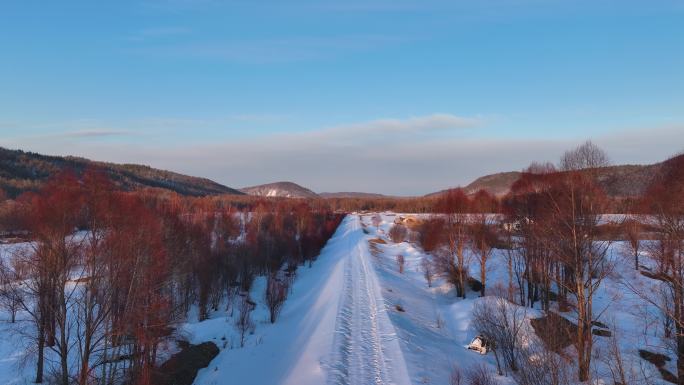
(556, 247)
(107, 275)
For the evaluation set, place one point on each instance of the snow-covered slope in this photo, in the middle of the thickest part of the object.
(280, 189)
(435, 325)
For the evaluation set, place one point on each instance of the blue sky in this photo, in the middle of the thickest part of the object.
(399, 97)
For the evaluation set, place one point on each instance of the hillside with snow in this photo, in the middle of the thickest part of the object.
(280, 190)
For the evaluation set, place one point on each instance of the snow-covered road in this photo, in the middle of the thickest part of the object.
(365, 349)
(334, 328)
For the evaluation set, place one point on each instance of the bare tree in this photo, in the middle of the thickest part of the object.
(619, 371)
(400, 263)
(10, 289)
(482, 242)
(244, 321)
(559, 240)
(483, 237)
(573, 207)
(585, 156)
(276, 293)
(49, 261)
(454, 205)
(93, 302)
(426, 266)
(529, 254)
(633, 233)
(664, 201)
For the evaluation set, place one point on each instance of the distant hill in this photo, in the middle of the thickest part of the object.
(280, 189)
(351, 194)
(618, 181)
(628, 180)
(26, 171)
(496, 184)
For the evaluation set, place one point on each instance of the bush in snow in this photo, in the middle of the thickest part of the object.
(426, 266)
(541, 366)
(11, 295)
(501, 323)
(376, 220)
(456, 376)
(479, 375)
(633, 232)
(398, 233)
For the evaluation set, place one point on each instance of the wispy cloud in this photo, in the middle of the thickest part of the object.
(88, 133)
(276, 50)
(166, 129)
(94, 133)
(412, 125)
(384, 131)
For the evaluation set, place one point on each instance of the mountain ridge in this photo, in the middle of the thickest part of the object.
(22, 171)
(628, 180)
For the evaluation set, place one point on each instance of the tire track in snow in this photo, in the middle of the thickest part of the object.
(363, 332)
(339, 371)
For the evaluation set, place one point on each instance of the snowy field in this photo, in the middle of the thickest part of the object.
(353, 318)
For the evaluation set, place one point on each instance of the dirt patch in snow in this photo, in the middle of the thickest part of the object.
(374, 246)
(659, 360)
(555, 331)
